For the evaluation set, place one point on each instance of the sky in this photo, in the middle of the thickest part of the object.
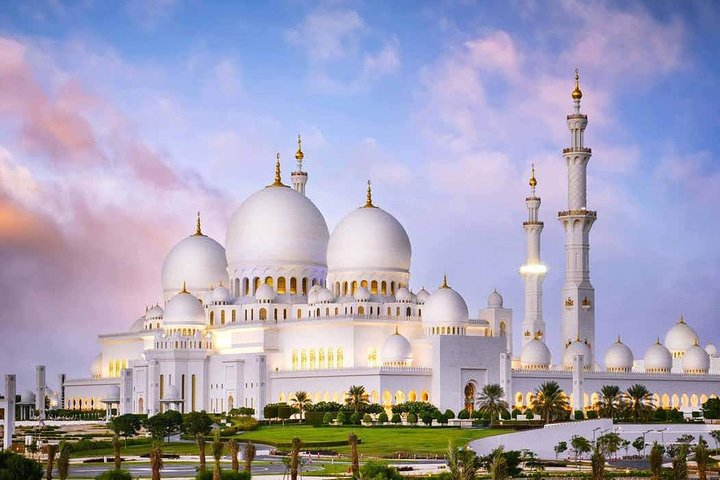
(120, 120)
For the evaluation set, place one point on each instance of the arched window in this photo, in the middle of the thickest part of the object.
(392, 288)
(364, 284)
(340, 357)
(295, 359)
(256, 284)
(281, 286)
(345, 289)
(263, 314)
(212, 318)
(269, 281)
(293, 286)
(408, 312)
(304, 286)
(354, 287)
(275, 314)
(389, 311)
(330, 358)
(284, 313)
(327, 311)
(303, 359)
(374, 287)
(246, 286)
(314, 281)
(361, 310)
(383, 287)
(234, 315)
(246, 315)
(222, 317)
(317, 312)
(299, 313)
(321, 358)
(336, 311)
(313, 359)
(397, 311)
(337, 289)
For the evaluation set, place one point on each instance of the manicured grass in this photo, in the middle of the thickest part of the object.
(375, 441)
(173, 448)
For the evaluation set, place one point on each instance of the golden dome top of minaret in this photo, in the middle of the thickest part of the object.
(577, 93)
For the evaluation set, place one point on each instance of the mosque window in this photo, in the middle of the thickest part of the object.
(374, 287)
(313, 359)
(314, 282)
(327, 311)
(354, 286)
(263, 314)
(293, 286)
(222, 317)
(256, 284)
(383, 287)
(361, 310)
(330, 358)
(340, 357)
(234, 315)
(212, 318)
(252, 315)
(317, 312)
(281, 286)
(162, 386)
(336, 311)
(269, 281)
(299, 313)
(304, 286)
(364, 284)
(345, 289)
(408, 312)
(321, 358)
(389, 311)
(397, 311)
(303, 359)
(295, 359)
(392, 288)
(372, 357)
(246, 286)
(284, 313)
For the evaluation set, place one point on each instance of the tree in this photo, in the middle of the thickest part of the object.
(341, 418)
(580, 445)
(609, 402)
(609, 443)
(498, 465)
(560, 448)
(302, 401)
(639, 401)
(126, 425)
(116, 452)
(449, 414)
(412, 418)
(491, 401)
(356, 398)
(679, 463)
(383, 418)
(711, 408)
(656, 458)
(379, 471)
(17, 467)
(163, 424)
(550, 402)
(715, 434)
(639, 444)
(200, 441)
(354, 461)
(625, 445)
(234, 448)
(396, 418)
(597, 461)
(249, 456)
(702, 458)
(294, 458)
(63, 461)
(217, 449)
(463, 464)
(195, 423)
(156, 461)
(51, 452)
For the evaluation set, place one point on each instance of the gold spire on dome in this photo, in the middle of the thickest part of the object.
(396, 330)
(577, 93)
(278, 179)
(697, 344)
(682, 318)
(444, 284)
(368, 199)
(533, 181)
(618, 340)
(657, 341)
(184, 289)
(299, 155)
(198, 226)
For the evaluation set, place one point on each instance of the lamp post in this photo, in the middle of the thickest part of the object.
(662, 435)
(595, 430)
(643, 437)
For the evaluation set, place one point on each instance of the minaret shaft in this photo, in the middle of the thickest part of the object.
(533, 272)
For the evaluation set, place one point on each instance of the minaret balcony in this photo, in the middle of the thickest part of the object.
(577, 150)
(538, 224)
(577, 213)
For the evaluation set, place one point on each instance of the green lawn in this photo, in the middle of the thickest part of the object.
(383, 441)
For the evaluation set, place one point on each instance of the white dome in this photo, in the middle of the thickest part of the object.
(680, 337)
(445, 306)
(184, 309)
(220, 295)
(422, 296)
(495, 300)
(313, 294)
(696, 360)
(197, 261)
(96, 367)
(277, 226)
(324, 295)
(711, 349)
(369, 239)
(155, 313)
(27, 397)
(657, 359)
(619, 358)
(396, 350)
(265, 294)
(403, 295)
(361, 294)
(576, 348)
(112, 394)
(535, 355)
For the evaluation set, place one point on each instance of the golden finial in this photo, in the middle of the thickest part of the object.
(696, 342)
(444, 284)
(396, 330)
(299, 155)
(682, 318)
(657, 340)
(577, 93)
(278, 180)
(368, 200)
(184, 289)
(198, 225)
(533, 181)
(577, 338)
(618, 339)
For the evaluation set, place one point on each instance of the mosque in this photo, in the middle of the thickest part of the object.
(285, 305)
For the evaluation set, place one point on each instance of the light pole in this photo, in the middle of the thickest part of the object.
(644, 444)
(662, 436)
(595, 430)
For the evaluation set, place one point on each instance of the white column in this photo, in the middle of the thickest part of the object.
(578, 389)
(40, 391)
(506, 377)
(9, 428)
(126, 400)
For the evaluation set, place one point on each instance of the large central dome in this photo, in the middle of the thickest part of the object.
(276, 227)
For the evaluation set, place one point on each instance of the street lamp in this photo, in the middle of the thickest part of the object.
(662, 435)
(595, 430)
(643, 437)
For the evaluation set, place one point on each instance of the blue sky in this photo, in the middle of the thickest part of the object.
(118, 120)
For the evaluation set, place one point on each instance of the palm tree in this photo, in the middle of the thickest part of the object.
(597, 461)
(498, 465)
(249, 456)
(156, 461)
(639, 401)
(463, 464)
(656, 458)
(294, 458)
(679, 464)
(702, 458)
(200, 440)
(63, 461)
(301, 400)
(491, 401)
(550, 401)
(217, 449)
(51, 452)
(357, 398)
(610, 401)
(234, 448)
(354, 461)
(116, 451)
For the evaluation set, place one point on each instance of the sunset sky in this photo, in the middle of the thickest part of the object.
(119, 120)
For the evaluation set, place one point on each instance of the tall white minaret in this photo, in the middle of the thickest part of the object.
(533, 272)
(578, 294)
(298, 177)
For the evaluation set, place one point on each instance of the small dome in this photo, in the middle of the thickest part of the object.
(576, 348)
(361, 294)
(265, 294)
(658, 359)
(495, 300)
(184, 309)
(27, 397)
(422, 296)
(313, 294)
(680, 338)
(711, 349)
(535, 355)
(220, 295)
(696, 360)
(155, 313)
(445, 306)
(324, 295)
(619, 358)
(96, 367)
(112, 394)
(403, 295)
(396, 350)
(197, 261)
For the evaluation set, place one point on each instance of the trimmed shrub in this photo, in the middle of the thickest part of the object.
(355, 418)
(529, 415)
(270, 411)
(342, 418)
(114, 475)
(284, 412)
(379, 471)
(505, 415)
(374, 408)
(317, 418)
(230, 475)
(396, 418)
(592, 415)
(325, 407)
(443, 420)
(426, 418)
(463, 414)
(515, 412)
(476, 415)
(449, 414)
(17, 467)
(383, 418)
(367, 418)
(412, 418)
(579, 415)
(327, 418)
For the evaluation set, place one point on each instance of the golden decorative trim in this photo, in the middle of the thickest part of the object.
(299, 155)
(569, 302)
(368, 197)
(533, 181)
(278, 178)
(184, 289)
(444, 284)
(198, 226)
(577, 93)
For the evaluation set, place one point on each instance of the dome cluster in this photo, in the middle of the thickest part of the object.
(535, 355)
(184, 310)
(619, 357)
(445, 312)
(396, 351)
(680, 338)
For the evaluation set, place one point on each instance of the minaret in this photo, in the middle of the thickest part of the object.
(533, 272)
(298, 177)
(578, 294)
